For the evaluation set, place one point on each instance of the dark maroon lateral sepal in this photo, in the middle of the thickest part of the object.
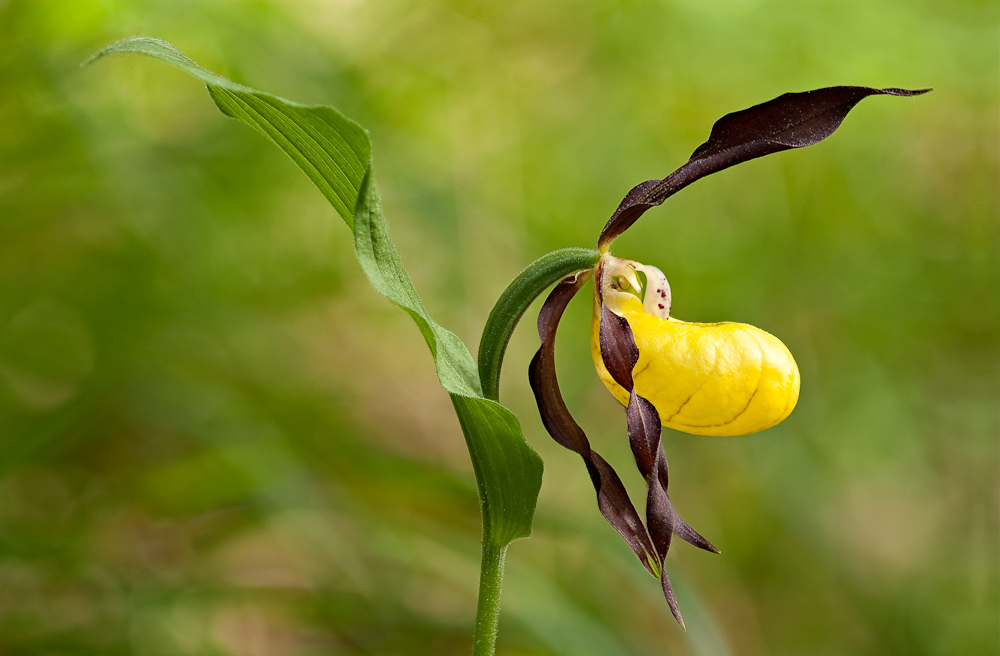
(792, 120)
(612, 499)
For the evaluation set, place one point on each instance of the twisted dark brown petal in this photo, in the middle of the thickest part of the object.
(792, 120)
(612, 499)
(620, 355)
(660, 514)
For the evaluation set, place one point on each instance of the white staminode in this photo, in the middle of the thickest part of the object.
(645, 282)
(656, 293)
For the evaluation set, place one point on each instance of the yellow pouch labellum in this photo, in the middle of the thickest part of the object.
(703, 378)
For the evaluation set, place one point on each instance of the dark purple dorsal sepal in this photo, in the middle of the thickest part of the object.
(792, 120)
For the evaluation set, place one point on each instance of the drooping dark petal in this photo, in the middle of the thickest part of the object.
(612, 499)
(620, 356)
(792, 120)
(614, 503)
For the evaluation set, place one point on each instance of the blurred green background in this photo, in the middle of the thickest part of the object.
(215, 438)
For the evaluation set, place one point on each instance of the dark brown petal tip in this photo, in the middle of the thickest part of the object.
(692, 537)
(668, 594)
(792, 120)
(614, 503)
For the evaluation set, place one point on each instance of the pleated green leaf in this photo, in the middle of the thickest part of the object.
(335, 153)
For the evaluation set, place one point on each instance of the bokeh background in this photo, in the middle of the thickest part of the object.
(215, 438)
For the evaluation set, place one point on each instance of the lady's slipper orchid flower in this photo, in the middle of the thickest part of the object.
(707, 379)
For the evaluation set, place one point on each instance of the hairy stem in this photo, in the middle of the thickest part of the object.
(488, 609)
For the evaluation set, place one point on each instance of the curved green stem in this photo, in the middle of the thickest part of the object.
(488, 609)
(511, 305)
(509, 309)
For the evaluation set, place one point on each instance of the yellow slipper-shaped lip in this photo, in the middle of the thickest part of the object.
(703, 378)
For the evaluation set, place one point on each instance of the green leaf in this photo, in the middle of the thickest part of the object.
(333, 150)
(335, 153)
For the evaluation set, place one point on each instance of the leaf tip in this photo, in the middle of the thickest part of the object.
(123, 45)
